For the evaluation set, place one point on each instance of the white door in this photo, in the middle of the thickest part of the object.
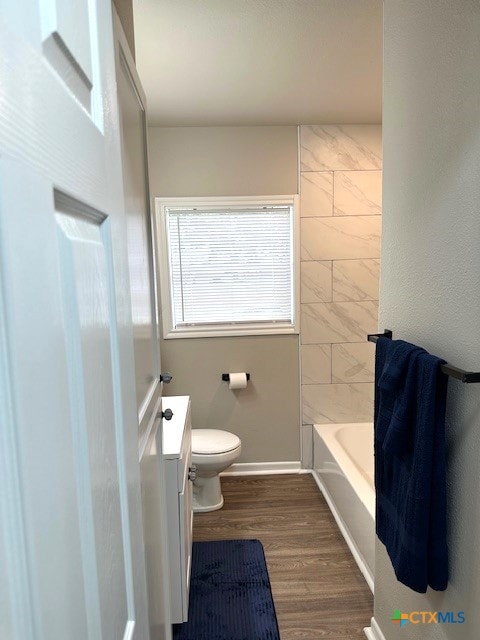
(141, 259)
(71, 539)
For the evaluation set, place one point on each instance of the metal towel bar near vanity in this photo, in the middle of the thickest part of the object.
(454, 372)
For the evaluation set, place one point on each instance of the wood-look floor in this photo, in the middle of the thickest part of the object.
(317, 587)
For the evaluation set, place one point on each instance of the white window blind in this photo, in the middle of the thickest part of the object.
(231, 266)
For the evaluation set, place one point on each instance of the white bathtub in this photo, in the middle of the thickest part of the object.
(343, 469)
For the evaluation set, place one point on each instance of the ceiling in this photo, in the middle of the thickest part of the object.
(260, 62)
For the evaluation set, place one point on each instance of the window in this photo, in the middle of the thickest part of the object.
(228, 266)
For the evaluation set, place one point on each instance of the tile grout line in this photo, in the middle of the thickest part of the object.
(333, 213)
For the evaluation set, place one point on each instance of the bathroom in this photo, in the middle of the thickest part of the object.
(339, 273)
(405, 260)
(339, 279)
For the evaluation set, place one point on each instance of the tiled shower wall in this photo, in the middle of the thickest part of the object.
(340, 196)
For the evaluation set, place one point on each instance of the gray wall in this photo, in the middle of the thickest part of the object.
(430, 282)
(223, 161)
(210, 161)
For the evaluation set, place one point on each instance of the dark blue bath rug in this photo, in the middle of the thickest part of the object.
(230, 595)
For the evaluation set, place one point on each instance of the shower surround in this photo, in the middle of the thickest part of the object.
(340, 208)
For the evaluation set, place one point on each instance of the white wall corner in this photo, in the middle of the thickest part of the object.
(307, 446)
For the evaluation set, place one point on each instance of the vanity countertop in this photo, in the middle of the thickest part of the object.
(173, 429)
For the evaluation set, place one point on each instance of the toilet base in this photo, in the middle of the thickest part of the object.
(207, 494)
(198, 508)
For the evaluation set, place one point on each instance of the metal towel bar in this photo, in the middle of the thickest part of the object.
(454, 372)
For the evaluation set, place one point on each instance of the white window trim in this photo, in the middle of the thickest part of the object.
(224, 329)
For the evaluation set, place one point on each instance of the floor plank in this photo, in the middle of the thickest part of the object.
(317, 587)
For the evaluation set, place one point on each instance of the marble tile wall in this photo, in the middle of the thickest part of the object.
(340, 208)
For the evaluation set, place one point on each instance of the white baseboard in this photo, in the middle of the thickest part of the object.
(264, 468)
(374, 632)
(348, 539)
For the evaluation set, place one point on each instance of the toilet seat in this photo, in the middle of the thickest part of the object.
(213, 441)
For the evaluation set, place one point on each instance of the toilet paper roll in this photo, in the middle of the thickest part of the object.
(238, 380)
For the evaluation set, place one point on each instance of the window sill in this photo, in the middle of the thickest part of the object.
(224, 331)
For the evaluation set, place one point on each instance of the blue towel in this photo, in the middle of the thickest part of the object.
(410, 474)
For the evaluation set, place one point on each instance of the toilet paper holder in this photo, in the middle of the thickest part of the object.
(226, 377)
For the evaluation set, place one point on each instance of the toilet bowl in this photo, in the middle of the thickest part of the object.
(213, 451)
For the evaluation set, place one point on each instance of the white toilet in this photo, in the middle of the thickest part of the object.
(213, 450)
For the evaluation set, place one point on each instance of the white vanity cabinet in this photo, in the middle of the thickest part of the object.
(177, 455)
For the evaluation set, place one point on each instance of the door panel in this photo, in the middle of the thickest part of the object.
(89, 313)
(71, 522)
(69, 424)
(68, 31)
